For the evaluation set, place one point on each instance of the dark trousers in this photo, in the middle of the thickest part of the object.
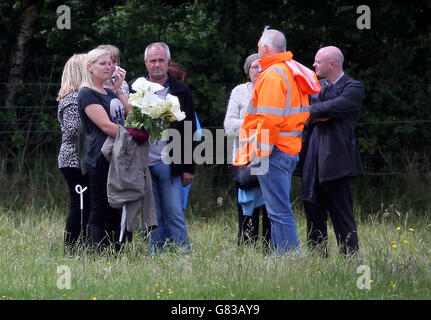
(73, 177)
(333, 197)
(248, 227)
(104, 223)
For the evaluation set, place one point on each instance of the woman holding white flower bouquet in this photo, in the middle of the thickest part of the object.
(102, 111)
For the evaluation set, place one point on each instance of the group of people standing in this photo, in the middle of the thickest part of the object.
(93, 99)
(283, 116)
(300, 126)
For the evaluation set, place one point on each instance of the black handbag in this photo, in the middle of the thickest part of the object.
(243, 178)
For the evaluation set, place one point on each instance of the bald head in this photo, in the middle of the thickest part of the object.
(333, 53)
(328, 63)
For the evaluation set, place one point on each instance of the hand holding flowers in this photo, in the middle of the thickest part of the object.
(150, 112)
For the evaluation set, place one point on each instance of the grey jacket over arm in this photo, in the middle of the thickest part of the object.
(129, 179)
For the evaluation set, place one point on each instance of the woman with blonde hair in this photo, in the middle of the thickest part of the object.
(114, 53)
(68, 156)
(102, 111)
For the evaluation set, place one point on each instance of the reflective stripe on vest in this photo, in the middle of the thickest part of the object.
(278, 112)
(287, 111)
(269, 147)
(265, 147)
(297, 133)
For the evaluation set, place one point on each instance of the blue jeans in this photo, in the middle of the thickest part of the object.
(186, 189)
(168, 198)
(275, 186)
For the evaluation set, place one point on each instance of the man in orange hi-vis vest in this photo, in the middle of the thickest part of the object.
(271, 133)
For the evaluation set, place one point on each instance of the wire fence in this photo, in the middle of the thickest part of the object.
(28, 165)
(34, 127)
(50, 139)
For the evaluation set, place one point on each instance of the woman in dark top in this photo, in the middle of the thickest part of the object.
(68, 156)
(102, 111)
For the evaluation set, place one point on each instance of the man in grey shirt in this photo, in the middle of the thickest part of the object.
(168, 179)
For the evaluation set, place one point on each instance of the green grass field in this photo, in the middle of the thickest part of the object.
(394, 248)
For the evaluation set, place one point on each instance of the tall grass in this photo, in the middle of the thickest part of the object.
(31, 250)
(407, 192)
(394, 244)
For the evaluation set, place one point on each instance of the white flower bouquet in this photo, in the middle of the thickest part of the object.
(150, 112)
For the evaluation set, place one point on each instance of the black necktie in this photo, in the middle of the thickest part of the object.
(329, 92)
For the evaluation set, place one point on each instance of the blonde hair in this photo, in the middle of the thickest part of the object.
(92, 57)
(72, 75)
(114, 52)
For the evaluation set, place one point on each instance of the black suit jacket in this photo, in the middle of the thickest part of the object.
(338, 154)
(182, 91)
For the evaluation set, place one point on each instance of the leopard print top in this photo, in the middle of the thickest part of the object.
(70, 121)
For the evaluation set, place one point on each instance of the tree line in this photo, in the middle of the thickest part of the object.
(211, 39)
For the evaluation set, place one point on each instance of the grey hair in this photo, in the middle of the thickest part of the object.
(161, 44)
(274, 39)
(250, 59)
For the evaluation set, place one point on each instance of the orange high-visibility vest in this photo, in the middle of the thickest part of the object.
(278, 108)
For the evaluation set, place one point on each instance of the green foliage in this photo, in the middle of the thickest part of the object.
(212, 39)
(9, 13)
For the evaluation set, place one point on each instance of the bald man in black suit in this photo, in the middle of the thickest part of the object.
(329, 156)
